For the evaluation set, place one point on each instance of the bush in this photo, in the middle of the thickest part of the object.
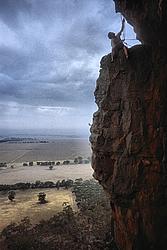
(66, 162)
(42, 197)
(89, 228)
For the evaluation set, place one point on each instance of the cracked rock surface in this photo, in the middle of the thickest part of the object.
(128, 138)
(129, 130)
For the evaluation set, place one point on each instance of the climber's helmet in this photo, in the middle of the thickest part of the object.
(111, 35)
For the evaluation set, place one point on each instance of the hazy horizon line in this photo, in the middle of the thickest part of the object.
(44, 132)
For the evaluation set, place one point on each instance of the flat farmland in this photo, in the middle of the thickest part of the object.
(43, 173)
(61, 149)
(26, 200)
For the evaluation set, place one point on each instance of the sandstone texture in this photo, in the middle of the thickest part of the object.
(129, 132)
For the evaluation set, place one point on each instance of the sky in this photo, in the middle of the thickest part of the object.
(50, 53)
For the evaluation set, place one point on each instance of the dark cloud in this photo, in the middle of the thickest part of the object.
(50, 52)
(10, 10)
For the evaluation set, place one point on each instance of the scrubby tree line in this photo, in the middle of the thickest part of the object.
(77, 160)
(38, 184)
(3, 164)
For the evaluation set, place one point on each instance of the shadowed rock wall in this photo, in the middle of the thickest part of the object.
(129, 137)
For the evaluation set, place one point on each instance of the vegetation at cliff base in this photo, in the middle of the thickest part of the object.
(88, 228)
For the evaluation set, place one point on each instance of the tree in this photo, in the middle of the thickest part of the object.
(49, 184)
(66, 162)
(63, 182)
(37, 183)
(69, 183)
(58, 185)
(11, 195)
(80, 159)
(58, 163)
(76, 160)
(42, 197)
(3, 164)
(50, 167)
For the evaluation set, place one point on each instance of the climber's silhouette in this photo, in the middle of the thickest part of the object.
(117, 43)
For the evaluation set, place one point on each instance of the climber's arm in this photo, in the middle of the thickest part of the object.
(122, 28)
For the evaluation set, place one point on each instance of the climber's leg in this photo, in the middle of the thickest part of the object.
(125, 51)
(112, 58)
(113, 54)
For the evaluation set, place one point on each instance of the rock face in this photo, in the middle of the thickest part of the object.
(129, 132)
(148, 18)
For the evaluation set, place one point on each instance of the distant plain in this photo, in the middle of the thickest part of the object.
(17, 153)
(60, 149)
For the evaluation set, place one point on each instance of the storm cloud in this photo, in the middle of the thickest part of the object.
(50, 52)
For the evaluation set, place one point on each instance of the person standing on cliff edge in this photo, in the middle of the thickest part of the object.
(117, 43)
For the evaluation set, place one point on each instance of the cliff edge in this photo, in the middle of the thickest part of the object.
(129, 135)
